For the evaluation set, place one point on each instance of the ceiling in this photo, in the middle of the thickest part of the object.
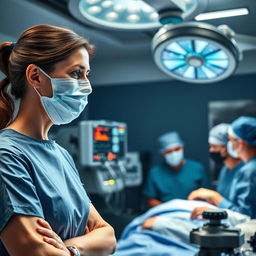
(122, 57)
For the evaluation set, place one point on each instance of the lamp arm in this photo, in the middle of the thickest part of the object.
(245, 42)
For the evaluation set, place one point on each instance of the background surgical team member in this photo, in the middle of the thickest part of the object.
(47, 69)
(221, 149)
(176, 177)
(242, 135)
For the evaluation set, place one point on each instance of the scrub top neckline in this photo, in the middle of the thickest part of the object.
(30, 138)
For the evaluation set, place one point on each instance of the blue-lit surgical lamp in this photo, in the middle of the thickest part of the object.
(129, 15)
(195, 52)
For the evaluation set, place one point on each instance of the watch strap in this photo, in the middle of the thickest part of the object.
(74, 250)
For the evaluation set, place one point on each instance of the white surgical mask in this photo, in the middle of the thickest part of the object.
(70, 96)
(231, 151)
(174, 158)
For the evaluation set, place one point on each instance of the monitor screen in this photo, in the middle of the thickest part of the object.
(108, 143)
(102, 141)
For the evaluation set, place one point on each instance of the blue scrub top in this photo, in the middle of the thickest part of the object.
(39, 178)
(227, 179)
(243, 191)
(165, 183)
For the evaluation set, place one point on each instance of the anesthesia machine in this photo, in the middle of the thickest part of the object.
(99, 149)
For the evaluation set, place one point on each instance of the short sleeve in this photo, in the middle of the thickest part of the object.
(17, 191)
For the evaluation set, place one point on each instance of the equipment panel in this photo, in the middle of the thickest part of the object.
(102, 141)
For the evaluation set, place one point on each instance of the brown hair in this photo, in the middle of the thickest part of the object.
(43, 45)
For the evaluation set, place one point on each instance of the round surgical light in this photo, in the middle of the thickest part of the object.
(130, 14)
(195, 52)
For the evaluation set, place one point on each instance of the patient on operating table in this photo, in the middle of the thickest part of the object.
(164, 230)
(180, 228)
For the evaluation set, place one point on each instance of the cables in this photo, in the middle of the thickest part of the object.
(116, 200)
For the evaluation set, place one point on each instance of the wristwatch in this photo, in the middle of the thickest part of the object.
(74, 250)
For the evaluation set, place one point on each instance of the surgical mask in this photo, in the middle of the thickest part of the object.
(217, 157)
(70, 96)
(231, 151)
(174, 158)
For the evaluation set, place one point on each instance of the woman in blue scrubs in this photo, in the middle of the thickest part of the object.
(242, 191)
(44, 209)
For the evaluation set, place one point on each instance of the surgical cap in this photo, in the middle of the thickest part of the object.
(244, 128)
(219, 134)
(169, 140)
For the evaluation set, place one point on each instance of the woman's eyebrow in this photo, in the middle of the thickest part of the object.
(78, 65)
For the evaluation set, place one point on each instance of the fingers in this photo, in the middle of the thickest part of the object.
(192, 195)
(49, 233)
(198, 211)
(53, 239)
(53, 242)
(44, 223)
(49, 236)
(46, 232)
(148, 224)
(194, 214)
(199, 194)
(87, 230)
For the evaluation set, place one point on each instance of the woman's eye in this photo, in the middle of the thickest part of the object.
(77, 74)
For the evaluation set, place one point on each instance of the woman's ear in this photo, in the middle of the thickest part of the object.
(33, 76)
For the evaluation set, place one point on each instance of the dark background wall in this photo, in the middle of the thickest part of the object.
(154, 108)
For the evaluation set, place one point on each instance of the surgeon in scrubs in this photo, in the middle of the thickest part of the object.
(222, 152)
(44, 209)
(242, 135)
(176, 177)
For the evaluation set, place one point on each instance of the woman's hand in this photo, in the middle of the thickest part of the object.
(148, 223)
(198, 211)
(50, 236)
(207, 195)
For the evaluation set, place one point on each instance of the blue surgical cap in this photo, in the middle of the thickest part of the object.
(244, 128)
(219, 134)
(169, 140)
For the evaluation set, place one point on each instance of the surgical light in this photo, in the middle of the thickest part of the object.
(117, 14)
(124, 14)
(222, 14)
(195, 52)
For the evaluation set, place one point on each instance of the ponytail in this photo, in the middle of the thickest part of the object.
(6, 102)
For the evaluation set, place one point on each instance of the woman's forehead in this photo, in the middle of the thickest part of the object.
(79, 57)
